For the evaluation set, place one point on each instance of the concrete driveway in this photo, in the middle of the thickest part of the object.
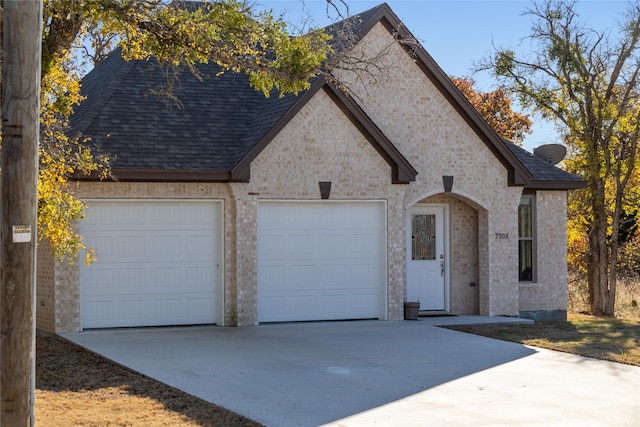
(365, 373)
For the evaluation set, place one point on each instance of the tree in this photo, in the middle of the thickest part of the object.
(180, 35)
(183, 33)
(495, 109)
(586, 81)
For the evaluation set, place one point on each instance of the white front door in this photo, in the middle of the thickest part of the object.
(426, 257)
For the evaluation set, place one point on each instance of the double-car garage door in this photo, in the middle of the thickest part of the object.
(159, 264)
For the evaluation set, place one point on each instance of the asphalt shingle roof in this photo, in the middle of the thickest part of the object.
(545, 175)
(207, 132)
(219, 121)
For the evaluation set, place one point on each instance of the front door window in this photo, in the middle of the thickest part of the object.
(423, 237)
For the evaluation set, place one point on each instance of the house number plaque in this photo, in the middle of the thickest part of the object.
(502, 236)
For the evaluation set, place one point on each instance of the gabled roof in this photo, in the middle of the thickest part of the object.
(220, 127)
(223, 124)
(545, 175)
(518, 174)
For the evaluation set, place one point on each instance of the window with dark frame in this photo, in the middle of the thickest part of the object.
(526, 241)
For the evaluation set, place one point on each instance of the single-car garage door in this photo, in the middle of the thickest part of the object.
(156, 263)
(320, 260)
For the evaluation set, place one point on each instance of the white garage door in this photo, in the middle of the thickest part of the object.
(320, 260)
(156, 263)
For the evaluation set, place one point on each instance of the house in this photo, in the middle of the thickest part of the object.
(237, 209)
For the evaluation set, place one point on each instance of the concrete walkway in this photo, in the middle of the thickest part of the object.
(364, 373)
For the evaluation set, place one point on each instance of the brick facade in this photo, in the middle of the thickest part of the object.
(548, 293)
(321, 144)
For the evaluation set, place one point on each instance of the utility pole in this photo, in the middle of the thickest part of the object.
(21, 51)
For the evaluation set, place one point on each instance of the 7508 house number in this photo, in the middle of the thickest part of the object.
(502, 236)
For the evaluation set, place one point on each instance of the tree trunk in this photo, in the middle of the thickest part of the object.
(600, 298)
(21, 40)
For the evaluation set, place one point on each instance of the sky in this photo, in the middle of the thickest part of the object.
(458, 33)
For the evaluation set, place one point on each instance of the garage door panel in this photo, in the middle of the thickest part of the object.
(130, 280)
(128, 215)
(103, 245)
(361, 303)
(200, 307)
(130, 310)
(300, 276)
(98, 311)
(199, 246)
(336, 245)
(363, 275)
(335, 304)
(272, 306)
(332, 262)
(165, 278)
(169, 309)
(197, 278)
(132, 246)
(272, 247)
(301, 306)
(156, 261)
(300, 246)
(169, 215)
(166, 246)
(101, 280)
(198, 215)
(364, 246)
(333, 276)
(101, 217)
(273, 273)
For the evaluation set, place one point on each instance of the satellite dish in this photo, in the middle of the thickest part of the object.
(551, 153)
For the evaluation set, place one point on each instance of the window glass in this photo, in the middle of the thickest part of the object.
(525, 218)
(423, 238)
(525, 256)
(526, 241)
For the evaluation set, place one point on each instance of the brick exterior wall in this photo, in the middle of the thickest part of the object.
(321, 144)
(547, 295)
(437, 141)
(45, 288)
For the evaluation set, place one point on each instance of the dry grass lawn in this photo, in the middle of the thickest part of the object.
(77, 388)
(617, 340)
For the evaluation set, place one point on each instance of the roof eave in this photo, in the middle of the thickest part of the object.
(556, 185)
(150, 175)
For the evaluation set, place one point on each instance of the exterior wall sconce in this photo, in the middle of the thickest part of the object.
(325, 189)
(447, 180)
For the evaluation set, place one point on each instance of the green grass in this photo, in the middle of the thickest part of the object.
(617, 340)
